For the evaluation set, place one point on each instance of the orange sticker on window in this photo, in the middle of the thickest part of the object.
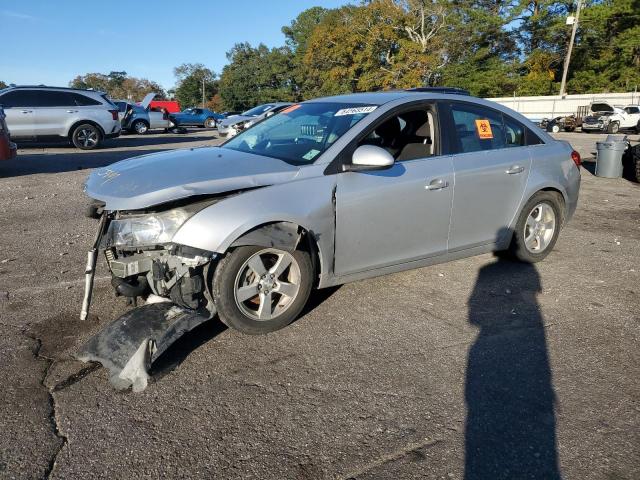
(291, 108)
(483, 127)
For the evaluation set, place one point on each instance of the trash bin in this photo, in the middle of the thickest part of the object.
(609, 159)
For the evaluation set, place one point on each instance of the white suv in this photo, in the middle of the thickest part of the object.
(84, 117)
(611, 118)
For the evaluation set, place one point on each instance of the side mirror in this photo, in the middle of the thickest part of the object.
(369, 157)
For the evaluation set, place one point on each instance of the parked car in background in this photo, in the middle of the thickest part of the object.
(231, 113)
(196, 117)
(555, 125)
(140, 118)
(234, 124)
(84, 117)
(330, 191)
(8, 149)
(611, 118)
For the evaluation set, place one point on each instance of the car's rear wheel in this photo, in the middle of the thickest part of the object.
(140, 127)
(210, 122)
(537, 229)
(258, 290)
(86, 137)
(555, 128)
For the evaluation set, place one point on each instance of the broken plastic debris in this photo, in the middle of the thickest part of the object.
(130, 344)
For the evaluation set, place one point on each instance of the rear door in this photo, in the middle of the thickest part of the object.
(56, 111)
(19, 108)
(491, 166)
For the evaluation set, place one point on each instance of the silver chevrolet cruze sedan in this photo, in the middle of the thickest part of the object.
(330, 191)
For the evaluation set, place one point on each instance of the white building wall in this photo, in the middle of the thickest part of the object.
(537, 108)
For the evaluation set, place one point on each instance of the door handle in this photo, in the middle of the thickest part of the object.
(27, 111)
(437, 184)
(72, 111)
(515, 169)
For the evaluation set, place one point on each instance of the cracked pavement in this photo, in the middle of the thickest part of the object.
(477, 364)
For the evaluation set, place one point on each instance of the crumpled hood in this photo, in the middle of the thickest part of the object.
(148, 180)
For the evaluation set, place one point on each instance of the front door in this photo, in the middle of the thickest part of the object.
(393, 216)
(491, 171)
(19, 108)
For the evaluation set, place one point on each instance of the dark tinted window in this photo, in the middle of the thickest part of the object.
(83, 101)
(532, 138)
(18, 98)
(48, 98)
(632, 110)
(514, 132)
(477, 128)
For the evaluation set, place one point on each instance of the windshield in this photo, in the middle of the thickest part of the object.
(300, 133)
(259, 110)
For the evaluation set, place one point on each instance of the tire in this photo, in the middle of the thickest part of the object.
(242, 314)
(210, 122)
(569, 129)
(140, 127)
(555, 128)
(631, 162)
(613, 127)
(525, 245)
(86, 137)
(638, 128)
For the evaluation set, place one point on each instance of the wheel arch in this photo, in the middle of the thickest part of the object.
(81, 122)
(287, 235)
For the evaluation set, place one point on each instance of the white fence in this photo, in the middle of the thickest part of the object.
(537, 108)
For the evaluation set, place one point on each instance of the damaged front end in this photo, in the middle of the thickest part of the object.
(145, 264)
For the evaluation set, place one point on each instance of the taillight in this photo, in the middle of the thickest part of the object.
(575, 156)
(114, 114)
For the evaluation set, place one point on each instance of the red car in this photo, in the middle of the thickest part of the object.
(8, 149)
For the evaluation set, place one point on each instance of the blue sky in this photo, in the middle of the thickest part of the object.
(50, 42)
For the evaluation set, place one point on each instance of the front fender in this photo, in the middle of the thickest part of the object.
(307, 203)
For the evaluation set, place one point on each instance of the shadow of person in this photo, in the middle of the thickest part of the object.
(510, 429)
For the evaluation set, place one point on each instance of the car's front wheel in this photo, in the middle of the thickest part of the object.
(210, 122)
(258, 290)
(86, 137)
(538, 226)
(613, 127)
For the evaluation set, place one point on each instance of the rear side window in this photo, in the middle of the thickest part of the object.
(514, 132)
(632, 110)
(477, 128)
(83, 101)
(19, 98)
(47, 98)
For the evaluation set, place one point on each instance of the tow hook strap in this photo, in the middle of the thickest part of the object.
(90, 269)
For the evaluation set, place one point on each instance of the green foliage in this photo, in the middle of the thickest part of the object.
(192, 77)
(3, 85)
(490, 47)
(118, 85)
(257, 75)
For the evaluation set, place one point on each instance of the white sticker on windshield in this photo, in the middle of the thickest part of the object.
(311, 154)
(355, 111)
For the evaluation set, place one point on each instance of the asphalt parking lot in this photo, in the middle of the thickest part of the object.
(479, 365)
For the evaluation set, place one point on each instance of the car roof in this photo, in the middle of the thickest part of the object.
(380, 98)
(47, 87)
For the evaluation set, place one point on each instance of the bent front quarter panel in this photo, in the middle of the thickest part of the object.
(306, 201)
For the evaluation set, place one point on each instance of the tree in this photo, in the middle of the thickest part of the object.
(257, 75)
(3, 85)
(191, 78)
(118, 85)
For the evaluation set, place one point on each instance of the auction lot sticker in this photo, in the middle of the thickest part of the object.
(483, 127)
(355, 111)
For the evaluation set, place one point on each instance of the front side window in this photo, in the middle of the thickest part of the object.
(632, 110)
(300, 133)
(19, 98)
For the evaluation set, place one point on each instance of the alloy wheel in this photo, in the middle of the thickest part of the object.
(87, 137)
(267, 284)
(539, 228)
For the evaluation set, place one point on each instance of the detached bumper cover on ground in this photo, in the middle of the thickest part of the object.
(130, 344)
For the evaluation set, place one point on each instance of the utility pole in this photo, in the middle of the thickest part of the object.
(567, 59)
(203, 91)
